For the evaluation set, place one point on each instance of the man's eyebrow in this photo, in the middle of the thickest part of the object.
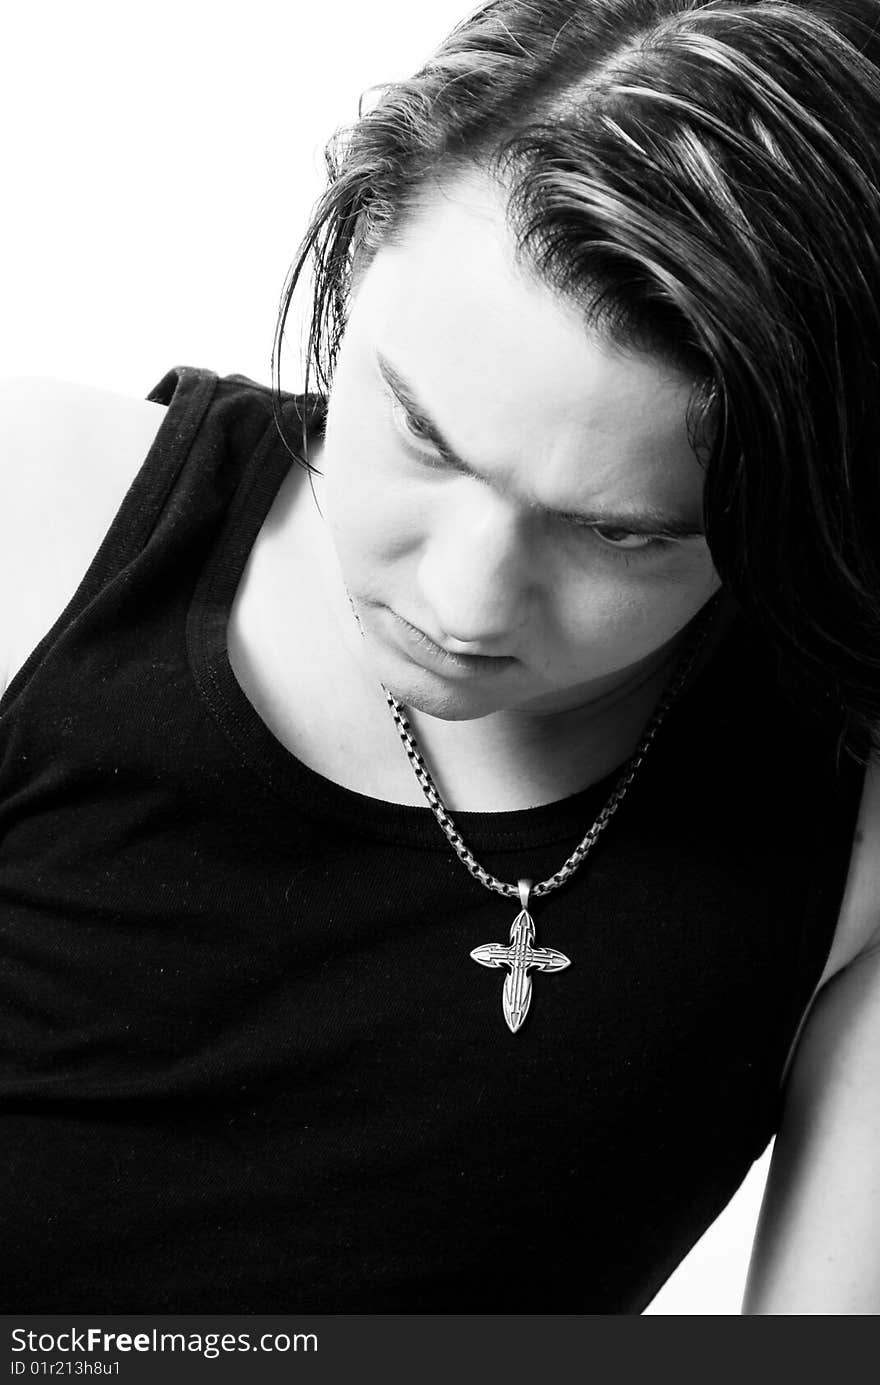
(648, 521)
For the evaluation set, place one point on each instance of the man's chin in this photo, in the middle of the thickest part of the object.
(420, 692)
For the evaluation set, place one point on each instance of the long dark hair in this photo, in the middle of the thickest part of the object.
(703, 179)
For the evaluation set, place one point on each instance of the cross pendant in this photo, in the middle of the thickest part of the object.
(520, 955)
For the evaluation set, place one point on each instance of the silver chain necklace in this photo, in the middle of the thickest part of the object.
(520, 954)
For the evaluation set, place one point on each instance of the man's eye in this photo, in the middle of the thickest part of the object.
(624, 538)
(409, 426)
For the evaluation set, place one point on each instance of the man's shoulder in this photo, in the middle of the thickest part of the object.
(36, 408)
(68, 454)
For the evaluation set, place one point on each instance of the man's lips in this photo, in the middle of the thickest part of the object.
(417, 638)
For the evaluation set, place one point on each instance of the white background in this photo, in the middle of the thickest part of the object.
(159, 165)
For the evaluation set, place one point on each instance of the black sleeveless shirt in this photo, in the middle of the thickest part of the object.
(248, 1064)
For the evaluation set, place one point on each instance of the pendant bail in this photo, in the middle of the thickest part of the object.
(525, 888)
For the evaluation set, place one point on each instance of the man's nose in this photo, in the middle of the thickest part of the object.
(476, 575)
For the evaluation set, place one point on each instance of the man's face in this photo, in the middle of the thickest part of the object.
(499, 480)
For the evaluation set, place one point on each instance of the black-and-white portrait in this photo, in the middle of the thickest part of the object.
(440, 655)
